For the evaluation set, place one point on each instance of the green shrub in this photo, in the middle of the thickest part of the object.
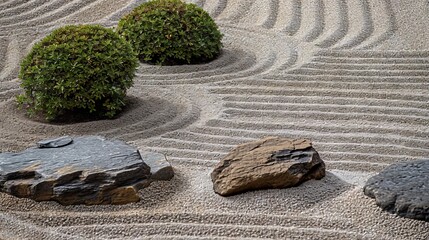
(78, 68)
(171, 32)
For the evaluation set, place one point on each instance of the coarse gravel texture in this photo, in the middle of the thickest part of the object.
(349, 75)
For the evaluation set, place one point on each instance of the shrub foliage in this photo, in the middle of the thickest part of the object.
(78, 68)
(171, 32)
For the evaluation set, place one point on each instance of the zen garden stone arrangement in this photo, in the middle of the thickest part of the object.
(214, 119)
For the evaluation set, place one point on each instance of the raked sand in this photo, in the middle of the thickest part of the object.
(352, 75)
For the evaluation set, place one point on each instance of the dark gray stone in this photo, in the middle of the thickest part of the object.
(402, 189)
(55, 143)
(272, 162)
(160, 168)
(91, 170)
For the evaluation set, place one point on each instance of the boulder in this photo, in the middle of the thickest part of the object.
(160, 168)
(402, 189)
(84, 170)
(272, 162)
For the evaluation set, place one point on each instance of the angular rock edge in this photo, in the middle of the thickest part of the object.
(272, 162)
(55, 143)
(75, 173)
(402, 189)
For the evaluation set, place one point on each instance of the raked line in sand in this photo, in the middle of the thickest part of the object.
(350, 75)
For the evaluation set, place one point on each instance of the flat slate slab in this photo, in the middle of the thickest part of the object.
(84, 170)
(55, 143)
(402, 189)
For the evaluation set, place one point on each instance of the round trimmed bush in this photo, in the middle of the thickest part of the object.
(84, 68)
(170, 32)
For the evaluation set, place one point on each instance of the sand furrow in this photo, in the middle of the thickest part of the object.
(289, 16)
(218, 76)
(20, 16)
(17, 10)
(414, 105)
(95, 11)
(192, 162)
(334, 108)
(273, 12)
(326, 116)
(262, 13)
(114, 17)
(370, 93)
(215, 7)
(11, 62)
(347, 72)
(386, 24)
(222, 230)
(230, 62)
(336, 23)
(365, 159)
(313, 20)
(324, 132)
(368, 66)
(387, 150)
(235, 10)
(186, 237)
(4, 44)
(206, 138)
(370, 55)
(6, 94)
(228, 57)
(14, 228)
(219, 218)
(327, 83)
(388, 61)
(367, 168)
(6, 4)
(54, 12)
(361, 25)
(357, 78)
(188, 153)
(171, 143)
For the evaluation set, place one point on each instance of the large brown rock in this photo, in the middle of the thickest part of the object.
(272, 162)
(84, 170)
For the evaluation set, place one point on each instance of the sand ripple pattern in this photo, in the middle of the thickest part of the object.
(364, 109)
(328, 23)
(317, 69)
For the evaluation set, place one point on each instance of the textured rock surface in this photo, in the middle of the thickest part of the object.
(160, 168)
(272, 162)
(91, 170)
(402, 189)
(55, 143)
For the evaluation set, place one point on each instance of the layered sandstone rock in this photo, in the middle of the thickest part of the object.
(272, 162)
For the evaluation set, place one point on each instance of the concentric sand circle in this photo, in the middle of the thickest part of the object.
(146, 115)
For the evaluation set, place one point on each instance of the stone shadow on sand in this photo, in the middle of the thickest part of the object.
(298, 198)
(142, 118)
